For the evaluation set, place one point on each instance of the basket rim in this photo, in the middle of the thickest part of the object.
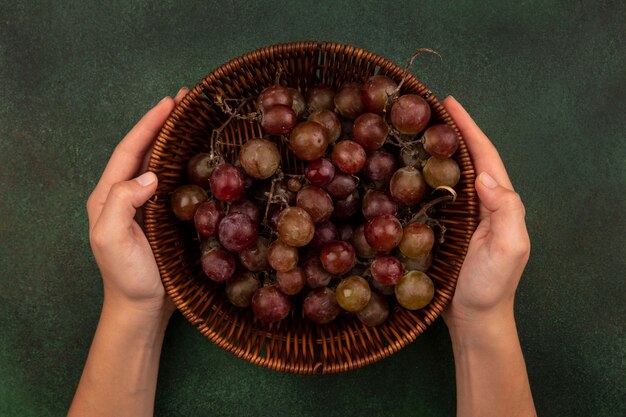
(254, 355)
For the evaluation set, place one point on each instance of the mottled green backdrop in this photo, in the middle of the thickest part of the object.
(545, 79)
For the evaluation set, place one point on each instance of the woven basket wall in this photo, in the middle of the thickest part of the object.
(295, 344)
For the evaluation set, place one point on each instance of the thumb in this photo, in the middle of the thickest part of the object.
(505, 212)
(125, 197)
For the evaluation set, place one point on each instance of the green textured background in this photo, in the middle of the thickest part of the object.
(545, 79)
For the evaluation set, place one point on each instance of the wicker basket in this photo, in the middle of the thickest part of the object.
(295, 344)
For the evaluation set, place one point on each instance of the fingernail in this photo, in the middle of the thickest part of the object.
(181, 90)
(487, 180)
(146, 178)
(163, 99)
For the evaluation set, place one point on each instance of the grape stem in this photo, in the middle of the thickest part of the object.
(418, 52)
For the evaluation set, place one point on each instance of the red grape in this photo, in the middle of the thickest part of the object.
(207, 217)
(199, 170)
(330, 121)
(281, 256)
(353, 293)
(237, 232)
(294, 185)
(338, 257)
(419, 264)
(186, 199)
(324, 233)
(414, 290)
(348, 207)
(440, 141)
(383, 289)
(376, 91)
(361, 247)
(341, 186)
(376, 203)
(320, 306)
(441, 172)
(241, 288)
(259, 158)
(348, 101)
(290, 282)
(319, 172)
(320, 97)
(270, 305)
(417, 240)
(278, 120)
(383, 233)
(316, 202)
(295, 227)
(227, 183)
(315, 274)
(348, 156)
(386, 269)
(375, 312)
(254, 258)
(274, 95)
(370, 131)
(345, 231)
(308, 141)
(380, 166)
(246, 207)
(407, 186)
(218, 264)
(410, 114)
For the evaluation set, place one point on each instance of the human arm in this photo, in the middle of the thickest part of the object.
(119, 378)
(491, 375)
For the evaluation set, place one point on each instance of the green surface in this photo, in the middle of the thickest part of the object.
(545, 80)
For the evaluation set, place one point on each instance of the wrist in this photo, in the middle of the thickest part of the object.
(481, 329)
(138, 319)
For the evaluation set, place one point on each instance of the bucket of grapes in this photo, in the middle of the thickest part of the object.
(315, 205)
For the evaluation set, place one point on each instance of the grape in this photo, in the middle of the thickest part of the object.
(383, 289)
(320, 97)
(375, 312)
(320, 306)
(248, 208)
(410, 114)
(407, 186)
(441, 172)
(386, 269)
(376, 91)
(419, 264)
(259, 158)
(294, 185)
(414, 290)
(199, 170)
(376, 203)
(295, 227)
(345, 232)
(278, 120)
(417, 240)
(237, 232)
(324, 233)
(315, 274)
(218, 264)
(241, 288)
(330, 121)
(186, 199)
(281, 256)
(440, 141)
(370, 131)
(254, 258)
(348, 156)
(282, 192)
(207, 217)
(319, 172)
(290, 282)
(274, 95)
(353, 293)
(348, 207)
(227, 183)
(383, 233)
(338, 257)
(380, 166)
(298, 105)
(361, 247)
(316, 202)
(348, 101)
(341, 186)
(308, 141)
(270, 305)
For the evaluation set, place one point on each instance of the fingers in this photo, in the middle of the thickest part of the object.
(484, 155)
(128, 155)
(506, 216)
(118, 212)
(181, 93)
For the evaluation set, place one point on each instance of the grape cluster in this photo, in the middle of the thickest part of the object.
(344, 235)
